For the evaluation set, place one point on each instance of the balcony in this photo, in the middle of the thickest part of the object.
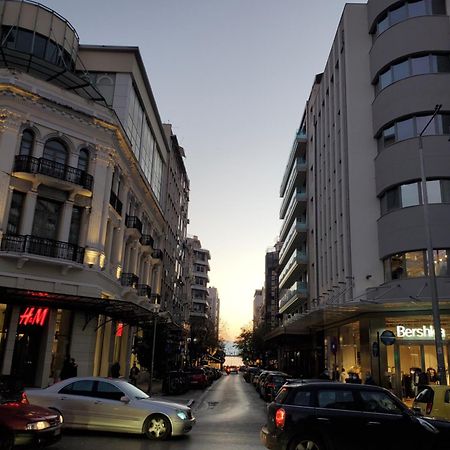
(42, 166)
(133, 222)
(147, 240)
(298, 291)
(43, 247)
(129, 279)
(157, 254)
(115, 203)
(144, 290)
(298, 261)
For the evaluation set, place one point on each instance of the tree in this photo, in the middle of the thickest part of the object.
(250, 344)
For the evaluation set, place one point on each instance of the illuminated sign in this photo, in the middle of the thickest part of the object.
(423, 332)
(119, 330)
(34, 316)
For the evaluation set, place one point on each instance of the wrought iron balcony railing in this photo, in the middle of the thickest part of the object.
(144, 290)
(29, 164)
(155, 298)
(133, 222)
(43, 247)
(115, 203)
(129, 279)
(146, 239)
(157, 254)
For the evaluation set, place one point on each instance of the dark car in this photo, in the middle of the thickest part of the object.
(197, 378)
(272, 384)
(336, 416)
(249, 372)
(22, 423)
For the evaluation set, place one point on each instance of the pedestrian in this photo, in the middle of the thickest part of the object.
(325, 375)
(115, 370)
(134, 372)
(66, 369)
(73, 368)
(343, 376)
(369, 379)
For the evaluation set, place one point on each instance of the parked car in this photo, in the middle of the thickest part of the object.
(336, 416)
(433, 401)
(22, 423)
(197, 378)
(272, 384)
(249, 371)
(110, 404)
(261, 379)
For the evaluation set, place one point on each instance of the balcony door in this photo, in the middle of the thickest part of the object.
(46, 218)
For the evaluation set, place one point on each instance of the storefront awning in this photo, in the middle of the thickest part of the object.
(122, 310)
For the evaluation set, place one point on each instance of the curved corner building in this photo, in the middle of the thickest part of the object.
(366, 242)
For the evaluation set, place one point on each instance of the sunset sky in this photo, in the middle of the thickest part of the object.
(232, 77)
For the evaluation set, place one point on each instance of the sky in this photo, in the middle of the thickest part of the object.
(232, 77)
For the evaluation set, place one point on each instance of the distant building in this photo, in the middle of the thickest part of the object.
(214, 307)
(258, 308)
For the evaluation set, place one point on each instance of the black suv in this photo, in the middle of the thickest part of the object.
(337, 416)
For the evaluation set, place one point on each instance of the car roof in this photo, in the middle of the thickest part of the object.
(333, 385)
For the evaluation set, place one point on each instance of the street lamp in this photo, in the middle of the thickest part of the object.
(430, 260)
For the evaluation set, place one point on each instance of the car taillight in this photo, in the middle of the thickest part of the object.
(280, 417)
(429, 408)
(24, 399)
(270, 385)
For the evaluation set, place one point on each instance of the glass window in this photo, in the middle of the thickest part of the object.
(393, 200)
(445, 191)
(55, 151)
(400, 70)
(405, 129)
(379, 402)
(83, 160)
(397, 15)
(397, 271)
(108, 391)
(421, 123)
(46, 218)
(105, 85)
(26, 144)
(415, 265)
(75, 225)
(434, 191)
(440, 263)
(157, 169)
(410, 195)
(420, 65)
(15, 212)
(387, 270)
(39, 46)
(417, 8)
(385, 79)
(24, 41)
(443, 63)
(389, 135)
(445, 120)
(438, 7)
(51, 52)
(302, 398)
(336, 399)
(84, 388)
(383, 24)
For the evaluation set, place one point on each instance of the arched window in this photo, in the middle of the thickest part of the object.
(55, 151)
(26, 144)
(83, 160)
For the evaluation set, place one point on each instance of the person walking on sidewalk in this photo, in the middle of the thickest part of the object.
(134, 372)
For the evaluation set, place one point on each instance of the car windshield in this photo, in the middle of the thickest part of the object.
(136, 392)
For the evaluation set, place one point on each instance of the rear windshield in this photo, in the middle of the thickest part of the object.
(278, 379)
(282, 395)
(425, 396)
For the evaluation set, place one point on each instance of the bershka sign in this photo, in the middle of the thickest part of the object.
(425, 332)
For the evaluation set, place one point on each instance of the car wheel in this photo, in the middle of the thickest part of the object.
(307, 443)
(157, 427)
(6, 440)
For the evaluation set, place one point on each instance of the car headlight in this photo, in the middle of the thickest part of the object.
(182, 415)
(41, 425)
(61, 419)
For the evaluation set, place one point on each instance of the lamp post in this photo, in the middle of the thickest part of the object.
(430, 260)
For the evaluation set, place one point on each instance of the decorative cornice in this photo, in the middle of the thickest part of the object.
(10, 88)
(9, 120)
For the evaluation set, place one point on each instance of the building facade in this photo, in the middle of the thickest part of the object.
(358, 246)
(258, 308)
(83, 198)
(214, 307)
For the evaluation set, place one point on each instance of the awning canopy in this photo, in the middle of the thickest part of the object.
(121, 310)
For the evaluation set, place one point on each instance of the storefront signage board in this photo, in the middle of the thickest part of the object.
(423, 332)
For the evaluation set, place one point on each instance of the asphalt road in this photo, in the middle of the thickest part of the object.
(229, 416)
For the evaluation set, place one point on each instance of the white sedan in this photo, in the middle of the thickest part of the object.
(95, 403)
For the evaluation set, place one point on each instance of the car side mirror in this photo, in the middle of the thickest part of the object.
(125, 399)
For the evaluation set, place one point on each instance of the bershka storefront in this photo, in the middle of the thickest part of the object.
(411, 360)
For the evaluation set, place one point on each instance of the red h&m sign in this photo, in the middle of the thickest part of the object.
(34, 316)
(119, 329)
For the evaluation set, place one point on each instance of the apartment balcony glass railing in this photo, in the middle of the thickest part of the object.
(298, 148)
(29, 164)
(115, 203)
(298, 290)
(133, 222)
(300, 167)
(298, 226)
(129, 279)
(290, 203)
(297, 258)
(42, 247)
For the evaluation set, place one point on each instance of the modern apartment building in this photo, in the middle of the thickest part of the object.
(353, 262)
(84, 186)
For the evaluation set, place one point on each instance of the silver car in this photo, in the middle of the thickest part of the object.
(95, 403)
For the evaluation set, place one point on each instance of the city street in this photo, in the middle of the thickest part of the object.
(229, 415)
